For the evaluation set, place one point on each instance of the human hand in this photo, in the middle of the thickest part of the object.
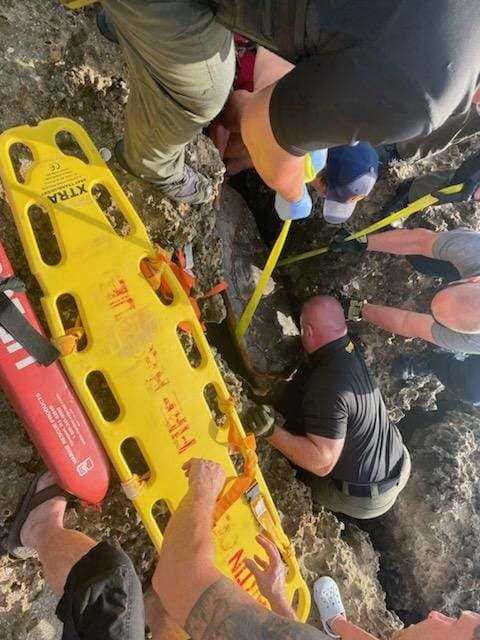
(260, 421)
(355, 309)
(293, 210)
(339, 245)
(270, 575)
(205, 476)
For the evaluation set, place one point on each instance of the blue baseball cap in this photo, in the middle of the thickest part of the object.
(351, 173)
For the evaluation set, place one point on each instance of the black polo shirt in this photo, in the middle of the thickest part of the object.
(376, 70)
(335, 396)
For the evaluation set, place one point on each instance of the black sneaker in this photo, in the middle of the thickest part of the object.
(193, 188)
(106, 27)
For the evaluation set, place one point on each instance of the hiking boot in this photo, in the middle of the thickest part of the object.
(410, 367)
(106, 27)
(193, 188)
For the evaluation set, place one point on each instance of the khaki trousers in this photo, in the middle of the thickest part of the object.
(181, 65)
(326, 494)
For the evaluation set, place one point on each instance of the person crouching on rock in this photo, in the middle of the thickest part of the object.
(336, 423)
(436, 627)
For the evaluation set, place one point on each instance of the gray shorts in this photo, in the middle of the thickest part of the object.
(181, 66)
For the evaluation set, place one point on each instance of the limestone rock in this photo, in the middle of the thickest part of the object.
(268, 348)
(430, 537)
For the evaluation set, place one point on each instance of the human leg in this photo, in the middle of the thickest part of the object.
(58, 549)
(181, 67)
(101, 593)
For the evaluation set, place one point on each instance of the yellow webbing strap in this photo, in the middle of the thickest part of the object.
(270, 265)
(133, 338)
(77, 4)
(414, 207)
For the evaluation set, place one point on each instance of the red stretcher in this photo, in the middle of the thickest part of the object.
(49, 409)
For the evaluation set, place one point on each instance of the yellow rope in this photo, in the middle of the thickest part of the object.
(270, 265)
(414, 207)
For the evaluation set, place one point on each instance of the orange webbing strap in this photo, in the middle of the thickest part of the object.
(264, 518)
(238, 488)
(68, 343)
(153, 270)
(218, 288)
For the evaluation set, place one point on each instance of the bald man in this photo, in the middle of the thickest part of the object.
(336, 424)
(454, 319)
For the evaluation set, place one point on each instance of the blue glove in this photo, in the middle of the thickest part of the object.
(315, 161)
(293, 210)
(319, 159)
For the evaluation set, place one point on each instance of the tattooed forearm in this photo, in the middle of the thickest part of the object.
(225, 612)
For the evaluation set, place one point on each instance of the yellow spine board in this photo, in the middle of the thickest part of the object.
(132, 340)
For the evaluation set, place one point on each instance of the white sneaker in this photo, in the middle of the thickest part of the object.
(329, 602)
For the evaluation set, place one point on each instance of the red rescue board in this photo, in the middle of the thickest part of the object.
(51, 413)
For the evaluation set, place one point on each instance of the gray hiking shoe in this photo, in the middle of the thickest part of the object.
(193, 188)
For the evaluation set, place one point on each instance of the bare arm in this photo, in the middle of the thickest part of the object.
(196, 596)
(185, 566)
(314, 453)
(404, 242)
(269, 68)
(404, 323)
(280, 170)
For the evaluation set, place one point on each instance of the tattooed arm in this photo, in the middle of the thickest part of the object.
(225, 612)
